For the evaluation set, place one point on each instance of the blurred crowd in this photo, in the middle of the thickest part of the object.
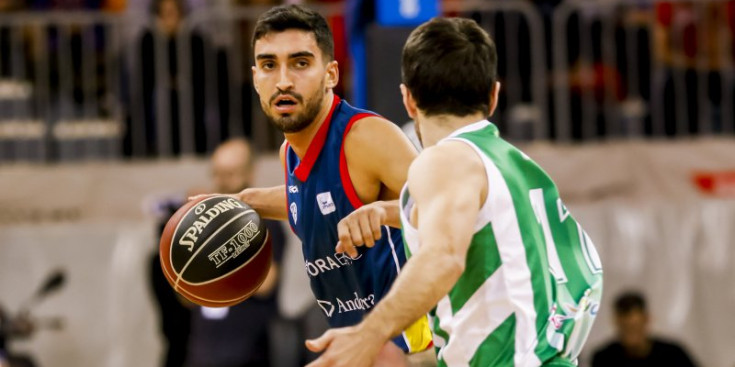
(191, 82)
(44, 5)
(122, 5)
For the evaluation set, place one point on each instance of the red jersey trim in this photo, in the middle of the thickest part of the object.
(315, 147)
(344, 172)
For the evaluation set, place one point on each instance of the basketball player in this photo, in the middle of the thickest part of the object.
(508, 276)
(341, 163)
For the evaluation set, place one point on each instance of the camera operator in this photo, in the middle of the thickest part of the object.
(18, 327)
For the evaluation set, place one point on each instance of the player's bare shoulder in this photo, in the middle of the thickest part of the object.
(378, 146)
(451, 165)
(369, 132)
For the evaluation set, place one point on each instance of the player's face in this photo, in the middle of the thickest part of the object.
(632, 328)
(230, 174)
(292, 78)
(169, 16)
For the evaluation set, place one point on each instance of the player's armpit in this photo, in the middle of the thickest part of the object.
(378, 155)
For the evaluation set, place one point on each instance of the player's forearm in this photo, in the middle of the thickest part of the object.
(425, 279)
(269, 202)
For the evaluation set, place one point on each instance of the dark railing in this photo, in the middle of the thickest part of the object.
(85, 85)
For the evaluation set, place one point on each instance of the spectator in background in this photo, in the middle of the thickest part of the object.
(237, 336)
(9, 5)
(688, 43)
(115, 6)
(235, 78)
(17, 60)
(65, 4)
(19, 326)
(5, 6)
(635, 347)
(161, 79)
(257, 2)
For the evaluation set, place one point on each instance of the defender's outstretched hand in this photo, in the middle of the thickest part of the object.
(363, 226)
(355, 346)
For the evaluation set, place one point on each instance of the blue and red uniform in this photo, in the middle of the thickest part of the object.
(320, 194)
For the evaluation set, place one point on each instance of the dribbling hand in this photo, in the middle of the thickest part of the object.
(195, 197)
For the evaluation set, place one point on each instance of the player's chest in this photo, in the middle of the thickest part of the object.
(316, 203)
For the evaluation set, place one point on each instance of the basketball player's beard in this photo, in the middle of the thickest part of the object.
(298, 122)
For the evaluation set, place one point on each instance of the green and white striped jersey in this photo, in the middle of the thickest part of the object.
(532, 281)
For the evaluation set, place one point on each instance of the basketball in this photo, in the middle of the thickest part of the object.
(215, 251)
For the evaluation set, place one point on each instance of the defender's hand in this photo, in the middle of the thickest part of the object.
(361, 228)
(355, 346)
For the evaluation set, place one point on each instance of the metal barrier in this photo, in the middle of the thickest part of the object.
(58, 77)
(225, 92)
(642, 68)
(86, 85)
(517, 29)
(83, 85)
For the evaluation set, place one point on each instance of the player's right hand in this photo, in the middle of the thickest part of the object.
(203, 196)
(361, 228)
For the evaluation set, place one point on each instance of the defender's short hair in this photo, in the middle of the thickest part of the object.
(450, 67)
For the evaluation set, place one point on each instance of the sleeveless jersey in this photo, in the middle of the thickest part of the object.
(532, 281)
(320, 194)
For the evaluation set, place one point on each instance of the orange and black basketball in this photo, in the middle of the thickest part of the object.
(215, 251)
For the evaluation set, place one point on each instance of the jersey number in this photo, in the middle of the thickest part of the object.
(588, 248)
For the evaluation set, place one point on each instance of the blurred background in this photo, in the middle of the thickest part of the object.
(111, 109)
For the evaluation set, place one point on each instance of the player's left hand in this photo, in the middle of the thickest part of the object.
(347, 347)
(361, 228)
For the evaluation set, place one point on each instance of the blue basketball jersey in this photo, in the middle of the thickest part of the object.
(320, 194)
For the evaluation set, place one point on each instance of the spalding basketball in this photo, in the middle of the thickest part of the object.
(215, 251)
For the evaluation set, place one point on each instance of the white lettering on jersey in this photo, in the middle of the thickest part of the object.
(326, 306)
(357, 303)
(294, 211)
(328, 263)
(293, 189)
(563, 211)
(352, 304)
(326, 205)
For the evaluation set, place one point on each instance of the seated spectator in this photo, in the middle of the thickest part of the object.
(635, 347)
(692, 42)
(65, 4)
